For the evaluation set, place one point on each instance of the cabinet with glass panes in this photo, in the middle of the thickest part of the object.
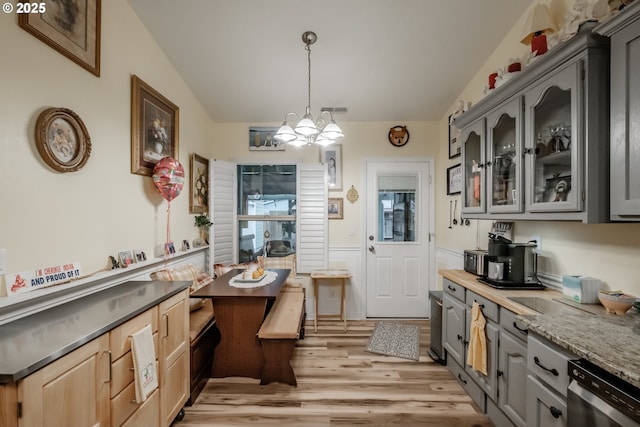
(537, 147)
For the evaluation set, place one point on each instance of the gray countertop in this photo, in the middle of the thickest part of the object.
(607, 340)
(29, 343)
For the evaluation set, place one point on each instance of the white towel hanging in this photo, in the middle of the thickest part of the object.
(144, 363)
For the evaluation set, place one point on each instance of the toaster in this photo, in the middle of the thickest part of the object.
(475, 262)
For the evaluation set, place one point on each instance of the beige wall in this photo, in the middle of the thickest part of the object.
(609, 252)
(48, 218)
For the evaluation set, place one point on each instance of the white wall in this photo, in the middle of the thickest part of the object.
(609, 252)
(47, 217)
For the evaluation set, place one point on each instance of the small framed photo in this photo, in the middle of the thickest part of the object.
(139, 255)
(335, 208)
(185, 245)
(261, 139)
(154, 127)
(199, 184)
(71, 28)
(454, 179)
(331, 155)
(126, 258)
(169, 248)
(455, 146)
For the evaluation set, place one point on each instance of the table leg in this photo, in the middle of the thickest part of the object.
(343, 308)
(315, 297)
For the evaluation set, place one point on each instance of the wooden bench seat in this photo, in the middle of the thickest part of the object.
(278, 336)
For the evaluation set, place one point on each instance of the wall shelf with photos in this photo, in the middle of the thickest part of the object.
(537, 147)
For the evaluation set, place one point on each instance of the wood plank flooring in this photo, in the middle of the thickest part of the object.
(340, 384)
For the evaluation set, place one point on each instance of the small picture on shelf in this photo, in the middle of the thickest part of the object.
(558, 189)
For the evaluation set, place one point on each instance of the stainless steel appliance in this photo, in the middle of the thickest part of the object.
(519, 265)
(435, 347)
(475, 262)
(598, 398)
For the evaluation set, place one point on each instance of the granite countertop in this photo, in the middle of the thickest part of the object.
(32, 342)
(607, 340)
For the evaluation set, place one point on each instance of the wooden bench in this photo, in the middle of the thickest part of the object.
(278, 336)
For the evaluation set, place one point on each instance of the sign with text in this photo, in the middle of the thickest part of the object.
(28, 281)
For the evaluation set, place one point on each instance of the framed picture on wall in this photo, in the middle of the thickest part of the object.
(261, 139)
(154, 127)
(335, 208)
(454, 140)
(454, 179)
(199, 184)
(331, 155)
(71, 28)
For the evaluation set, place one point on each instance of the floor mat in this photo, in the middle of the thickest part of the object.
(395, 339)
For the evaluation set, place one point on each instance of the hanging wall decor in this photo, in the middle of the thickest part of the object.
(199, 184)
(62, 139)
(398, 136)
(71, 28)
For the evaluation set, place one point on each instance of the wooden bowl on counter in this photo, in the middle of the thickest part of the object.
(617, 303)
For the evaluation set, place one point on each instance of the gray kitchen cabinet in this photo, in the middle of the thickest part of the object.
(490, 311)
(624, 31)
(512, 375)
(554, 112)
(453, 328)
(544, 407)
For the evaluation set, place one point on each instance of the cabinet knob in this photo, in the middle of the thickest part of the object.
(500, 373)
(555, 412)
(459, 337)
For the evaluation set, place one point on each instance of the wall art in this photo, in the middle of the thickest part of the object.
(199, 184)
(331, 155)
(62, 139)
(335, 208)
(454, 139)
(261, 139)
(454, 179)
(70, 27)
(154, 127)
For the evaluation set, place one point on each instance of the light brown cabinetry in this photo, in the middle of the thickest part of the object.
(73, 391)
(94, 384)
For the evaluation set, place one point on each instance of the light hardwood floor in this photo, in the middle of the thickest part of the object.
(340, 384)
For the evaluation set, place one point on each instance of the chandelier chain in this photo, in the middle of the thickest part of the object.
(309, 77)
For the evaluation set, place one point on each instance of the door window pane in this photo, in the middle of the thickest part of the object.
(397, 208)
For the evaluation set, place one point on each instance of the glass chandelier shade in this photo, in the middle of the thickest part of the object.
(307, 131)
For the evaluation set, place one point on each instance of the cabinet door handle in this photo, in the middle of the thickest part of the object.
(500, 373)
(451, 288)
(462, 379)
(166, 325)
(459, 337)
(480, 305)
(553, 371)
(110, 372)
(555, 412)
(524, 331)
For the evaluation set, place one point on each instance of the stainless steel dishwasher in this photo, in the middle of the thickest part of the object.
(435, 347)
(599, 398)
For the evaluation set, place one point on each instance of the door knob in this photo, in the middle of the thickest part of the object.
(372, 249)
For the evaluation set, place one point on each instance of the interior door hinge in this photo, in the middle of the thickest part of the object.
(429, 179)
(19, 409)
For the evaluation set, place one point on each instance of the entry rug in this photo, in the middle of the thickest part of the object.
(395, 339)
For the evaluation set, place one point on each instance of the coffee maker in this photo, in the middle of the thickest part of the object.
(511, 265)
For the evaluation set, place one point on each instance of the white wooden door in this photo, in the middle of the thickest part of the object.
(399, 212)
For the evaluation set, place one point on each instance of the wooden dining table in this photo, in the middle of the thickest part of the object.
(239, 313)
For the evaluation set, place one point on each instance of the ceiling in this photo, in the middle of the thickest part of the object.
(384, 60)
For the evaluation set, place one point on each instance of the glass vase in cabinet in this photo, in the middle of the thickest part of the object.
(554, 180)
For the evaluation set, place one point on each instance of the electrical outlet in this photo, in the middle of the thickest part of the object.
(538, 242)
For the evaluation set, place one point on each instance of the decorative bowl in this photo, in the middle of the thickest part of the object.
(616, 302)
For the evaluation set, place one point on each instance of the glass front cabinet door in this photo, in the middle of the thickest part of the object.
(504, 164)
(553, 178)
(473, 164)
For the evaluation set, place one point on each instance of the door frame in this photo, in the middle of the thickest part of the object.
(431, 226)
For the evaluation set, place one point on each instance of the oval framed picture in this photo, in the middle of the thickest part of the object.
(62, 139)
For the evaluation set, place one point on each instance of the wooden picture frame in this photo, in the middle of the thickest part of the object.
(454, 179)
(72, 31)
(62, 139)
(335, 208)
(199, 185)
(331, 155)
(261, 139)
(455, 145)
(154, 127)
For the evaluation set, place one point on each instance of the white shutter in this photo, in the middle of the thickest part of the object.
(222, 204)
(311, 217)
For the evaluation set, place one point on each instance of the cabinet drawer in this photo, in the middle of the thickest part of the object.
(122, 370)
(468, 384)
(119, 337)
(544, 407)
(549, 363)
(454, 289)
(124, 405)
(489, 308)
(148, 414)
(508, 323)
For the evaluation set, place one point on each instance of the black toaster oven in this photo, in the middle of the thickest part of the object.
(476, 262)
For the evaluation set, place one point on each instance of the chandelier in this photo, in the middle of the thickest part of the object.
(308, 131)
